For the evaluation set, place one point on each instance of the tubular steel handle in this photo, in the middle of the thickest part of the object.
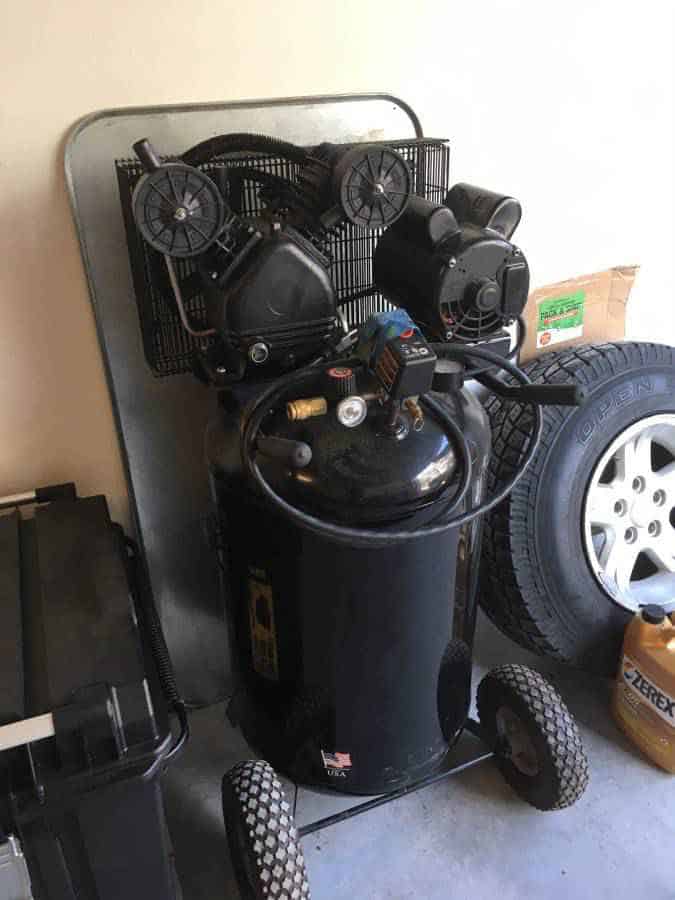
(553, 394)
(569, 394)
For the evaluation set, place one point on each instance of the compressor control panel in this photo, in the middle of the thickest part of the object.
(405, 367)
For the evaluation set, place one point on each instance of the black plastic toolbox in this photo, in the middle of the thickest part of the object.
(84, 805)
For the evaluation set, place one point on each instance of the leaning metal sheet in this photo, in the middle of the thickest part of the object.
(161, 421)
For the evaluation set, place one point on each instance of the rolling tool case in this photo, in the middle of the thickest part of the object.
(84, 727)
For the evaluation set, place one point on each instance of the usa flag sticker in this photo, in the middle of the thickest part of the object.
(336, 762)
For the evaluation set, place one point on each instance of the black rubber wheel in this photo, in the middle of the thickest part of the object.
(538, 746)
(261, 834)
(537, 584)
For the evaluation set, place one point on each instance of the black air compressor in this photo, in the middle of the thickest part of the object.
(349, 470)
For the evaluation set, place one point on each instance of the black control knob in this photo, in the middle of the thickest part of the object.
(341, 382)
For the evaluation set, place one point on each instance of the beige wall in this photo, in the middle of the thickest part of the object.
(583, 95)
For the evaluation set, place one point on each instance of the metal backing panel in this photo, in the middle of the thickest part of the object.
(161, 421)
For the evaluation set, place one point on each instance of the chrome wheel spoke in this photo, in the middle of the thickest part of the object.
(664, 480)
(618, 561)
(605, 505)
(634, 458)
(662, 552)
(625, 564)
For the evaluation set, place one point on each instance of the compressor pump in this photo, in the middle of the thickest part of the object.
(348, 461)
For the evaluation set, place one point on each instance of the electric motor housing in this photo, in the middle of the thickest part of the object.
(458, 278)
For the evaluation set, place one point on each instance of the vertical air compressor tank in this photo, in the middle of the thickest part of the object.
(354, 662)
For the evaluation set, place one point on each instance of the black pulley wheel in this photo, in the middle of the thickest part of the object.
(178, 210)
(588, 535)
(261, 834)
(373, 185)
(537, 743)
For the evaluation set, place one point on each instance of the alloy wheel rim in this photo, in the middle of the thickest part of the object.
(629, 515)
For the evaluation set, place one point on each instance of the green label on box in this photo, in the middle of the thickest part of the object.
(561, 319)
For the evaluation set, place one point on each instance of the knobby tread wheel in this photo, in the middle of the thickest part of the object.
(559, 775)
(262, 836)
(536, 584)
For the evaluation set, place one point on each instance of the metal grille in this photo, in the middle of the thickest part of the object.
(168, 347)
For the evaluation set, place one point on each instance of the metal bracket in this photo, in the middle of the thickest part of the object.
(471, 725)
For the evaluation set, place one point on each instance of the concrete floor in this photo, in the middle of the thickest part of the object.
(468, 838)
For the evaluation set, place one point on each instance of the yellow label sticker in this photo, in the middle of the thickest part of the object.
(263, 629)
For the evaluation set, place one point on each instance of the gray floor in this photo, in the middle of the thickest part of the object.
(468, 838)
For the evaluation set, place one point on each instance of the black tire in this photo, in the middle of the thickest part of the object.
(536, 583)
(262, 836)
(546, 764)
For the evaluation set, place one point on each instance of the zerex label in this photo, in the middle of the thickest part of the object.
(662, 704)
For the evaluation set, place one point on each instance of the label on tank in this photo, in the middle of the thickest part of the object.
(263, 630)
(337, 765)
(662, 704)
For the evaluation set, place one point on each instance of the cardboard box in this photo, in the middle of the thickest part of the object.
(590, 309)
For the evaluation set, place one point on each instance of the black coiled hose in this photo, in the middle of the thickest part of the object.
(154, 633)
(355, 537)
(240, 143)
(371, 537)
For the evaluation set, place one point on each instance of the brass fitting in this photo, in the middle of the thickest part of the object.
(416, 413)
(297, 410)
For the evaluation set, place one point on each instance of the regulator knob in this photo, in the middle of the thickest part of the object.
(341, 382)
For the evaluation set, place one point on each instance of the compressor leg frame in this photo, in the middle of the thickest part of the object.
(472, 726)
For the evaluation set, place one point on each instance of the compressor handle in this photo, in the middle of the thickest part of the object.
(553, 394)
(296, 454)
(568, 394)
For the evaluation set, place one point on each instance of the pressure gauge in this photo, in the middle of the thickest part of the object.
(351, 411)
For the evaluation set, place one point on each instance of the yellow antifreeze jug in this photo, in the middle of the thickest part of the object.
(644, 694)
